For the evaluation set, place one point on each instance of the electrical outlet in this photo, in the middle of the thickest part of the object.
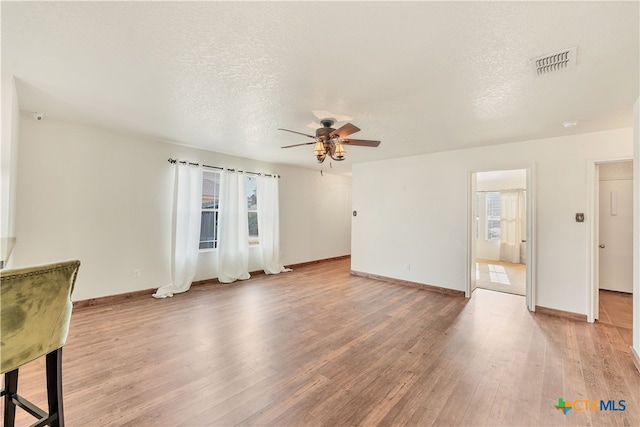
(137, 273)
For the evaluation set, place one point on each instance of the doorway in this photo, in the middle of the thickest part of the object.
(500, 211)
(500, 223)
(613, 228)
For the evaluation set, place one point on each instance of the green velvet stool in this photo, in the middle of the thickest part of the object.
(35, 305)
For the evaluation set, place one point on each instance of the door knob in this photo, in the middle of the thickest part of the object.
(601, 246)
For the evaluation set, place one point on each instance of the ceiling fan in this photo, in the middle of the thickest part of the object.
(330, 141)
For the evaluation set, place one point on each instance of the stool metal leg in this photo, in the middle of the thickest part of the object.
(10, 389)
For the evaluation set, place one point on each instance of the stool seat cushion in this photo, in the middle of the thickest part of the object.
(35, 311)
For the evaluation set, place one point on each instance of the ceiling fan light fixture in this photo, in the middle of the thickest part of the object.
(339, 153)
(319, 149)
(329, 141)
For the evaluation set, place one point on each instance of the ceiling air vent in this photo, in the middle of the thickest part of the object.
(555, 61)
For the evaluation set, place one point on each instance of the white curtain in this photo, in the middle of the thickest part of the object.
(233, 228)
(187, 200)
(269, 224)
(512, 224)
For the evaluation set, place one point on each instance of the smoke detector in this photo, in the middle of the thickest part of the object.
(555, 61)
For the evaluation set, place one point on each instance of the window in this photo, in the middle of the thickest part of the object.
(252, 208)
(493, 215)
(209, 219)
(210, 200)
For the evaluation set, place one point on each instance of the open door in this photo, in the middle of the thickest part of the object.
(615, 240)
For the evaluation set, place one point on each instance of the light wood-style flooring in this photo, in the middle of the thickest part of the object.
(319, 347)
(616, 309)
(501, 276)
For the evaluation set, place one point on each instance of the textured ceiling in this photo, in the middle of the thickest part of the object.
(420, 76)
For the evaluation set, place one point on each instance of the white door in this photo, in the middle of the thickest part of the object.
(616, 235)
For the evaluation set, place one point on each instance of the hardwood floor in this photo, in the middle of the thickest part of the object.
(616, 309)
(319, 347)
(501, 276)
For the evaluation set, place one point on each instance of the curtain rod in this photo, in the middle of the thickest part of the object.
(184, 162)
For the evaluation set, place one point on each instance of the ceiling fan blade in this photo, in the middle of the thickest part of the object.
(297, 145)
(299, 133)
(361, 142)
(314, 125)
(345, 130)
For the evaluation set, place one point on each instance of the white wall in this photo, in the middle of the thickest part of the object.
(494, 181)
(105, 198)
(8, 156)
(414, 211)
(501, 180)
